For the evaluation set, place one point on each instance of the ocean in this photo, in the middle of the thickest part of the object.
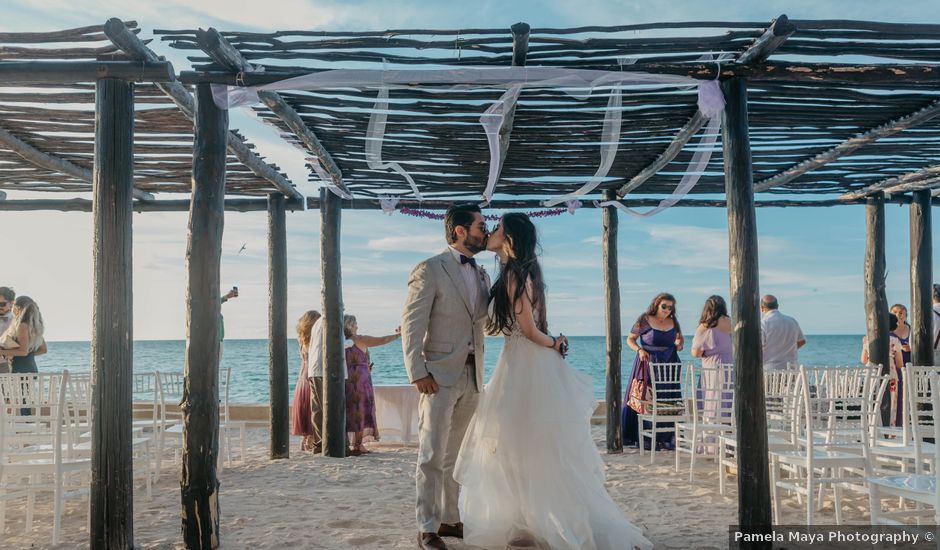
(248, 360)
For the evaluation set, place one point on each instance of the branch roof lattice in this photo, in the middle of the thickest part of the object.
(435, 132)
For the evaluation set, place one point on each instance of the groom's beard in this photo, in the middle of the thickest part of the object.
(474, 244)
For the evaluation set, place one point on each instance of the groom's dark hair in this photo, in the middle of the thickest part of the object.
(456, 216)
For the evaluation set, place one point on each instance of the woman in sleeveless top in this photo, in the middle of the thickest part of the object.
(657, 338)
(712, 342)
(896, 370)
(301, 411)
(23, 340)
(360, 395)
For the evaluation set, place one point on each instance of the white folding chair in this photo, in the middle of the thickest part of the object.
(712, 412)
(228, 427)
(666, 404)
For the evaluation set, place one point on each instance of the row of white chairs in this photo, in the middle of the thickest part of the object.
(46, 430)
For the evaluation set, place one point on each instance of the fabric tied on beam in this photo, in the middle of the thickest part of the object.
(572, 205)
(388, 204)
(375, 136)
(326, 180)
(493, 121)
(694, 172)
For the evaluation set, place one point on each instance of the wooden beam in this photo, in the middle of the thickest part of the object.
(888, 74)
(41, 73)
(313, 203)
(277, 328)
(921, 280)
(849, 146)
(613, 329)
(129, 43)
(766, 44)
(219, 49)
(111, 507)
(334, 363)
(520, 48)
(53, 163)
(199, 484)
(899, 184)
(754, 512)
(876, 302)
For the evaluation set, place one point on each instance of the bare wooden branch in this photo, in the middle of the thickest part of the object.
(911, 181)
(223, 53)
(51, 162)
(850, 145)
(520, 46)
(117, 31)
(35, 73)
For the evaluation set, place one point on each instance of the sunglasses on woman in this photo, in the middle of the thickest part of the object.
(666, 307)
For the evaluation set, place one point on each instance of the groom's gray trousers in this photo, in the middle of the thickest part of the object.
(443, 418)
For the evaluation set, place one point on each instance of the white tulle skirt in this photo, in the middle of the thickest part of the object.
(529, 466)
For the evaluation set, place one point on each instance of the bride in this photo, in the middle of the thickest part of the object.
(529, 470)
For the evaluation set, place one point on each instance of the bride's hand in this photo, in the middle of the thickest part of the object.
(561, 344)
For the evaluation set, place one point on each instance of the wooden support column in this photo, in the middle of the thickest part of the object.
(753, 475)
(112, 339)
(876, 302)
(199, 485)
(334, 360)
(277, 327)
(921, 280)
(614, 336)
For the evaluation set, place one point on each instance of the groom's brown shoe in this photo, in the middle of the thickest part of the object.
(431, 541)
(455, 530)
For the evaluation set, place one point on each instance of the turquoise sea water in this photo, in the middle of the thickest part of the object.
(248, 360)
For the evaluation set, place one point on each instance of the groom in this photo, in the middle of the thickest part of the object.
(442, 339)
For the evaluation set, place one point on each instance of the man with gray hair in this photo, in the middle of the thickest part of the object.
(781, 336)
(936, 324)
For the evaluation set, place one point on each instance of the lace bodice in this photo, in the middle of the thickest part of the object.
(515, 331)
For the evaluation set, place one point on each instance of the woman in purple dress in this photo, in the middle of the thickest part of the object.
(657, 338)
(712, 342)
(360, 395)
(301, 412)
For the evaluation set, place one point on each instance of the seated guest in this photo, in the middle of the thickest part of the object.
(896, 361)
(23, 339)
(360, 395)
(301, 411)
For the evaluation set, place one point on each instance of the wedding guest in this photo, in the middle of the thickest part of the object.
(657, 338)
(301, 413)
(712, 342)
(360, 395)
(895, 370)
(228, 296)
(23, 340)
(315, 375)
(6, 307)
(781, 336)
(903, 331)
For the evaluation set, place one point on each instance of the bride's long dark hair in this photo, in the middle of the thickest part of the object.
(524, 265)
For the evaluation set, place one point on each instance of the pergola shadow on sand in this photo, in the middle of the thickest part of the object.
(800, 129)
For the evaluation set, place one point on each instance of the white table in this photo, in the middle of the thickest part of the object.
(396, 409)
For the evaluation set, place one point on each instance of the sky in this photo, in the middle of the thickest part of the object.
(811, 259)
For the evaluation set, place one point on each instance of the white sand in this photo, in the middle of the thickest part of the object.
(368, 502)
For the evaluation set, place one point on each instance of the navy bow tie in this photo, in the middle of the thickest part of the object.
(467, 260)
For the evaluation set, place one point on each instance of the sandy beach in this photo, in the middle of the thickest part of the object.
(368, 502)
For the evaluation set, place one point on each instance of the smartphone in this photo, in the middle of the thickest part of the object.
(235, 290)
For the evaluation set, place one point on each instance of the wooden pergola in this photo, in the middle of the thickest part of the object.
(800, 129)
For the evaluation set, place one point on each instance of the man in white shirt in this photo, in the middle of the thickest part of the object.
(936, 324)
(6, 307)
(781, 336)
(315, 374)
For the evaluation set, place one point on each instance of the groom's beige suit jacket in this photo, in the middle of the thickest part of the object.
(440, 322)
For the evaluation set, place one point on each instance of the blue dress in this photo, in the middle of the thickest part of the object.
(661, 345)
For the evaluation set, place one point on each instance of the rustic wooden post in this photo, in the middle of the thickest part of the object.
(334, 360)
(876, 302)
(277, 326)
(614, 340)
(753, 475)
(199, 485)
(112, 463)
(921, 280)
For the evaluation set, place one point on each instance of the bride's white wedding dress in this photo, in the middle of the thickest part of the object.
(529, 466)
